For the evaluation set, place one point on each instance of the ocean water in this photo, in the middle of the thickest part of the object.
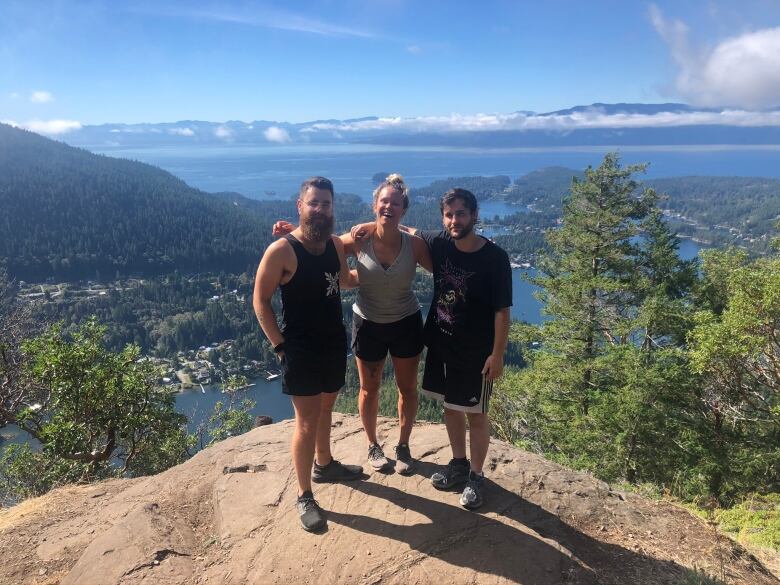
(277, 171)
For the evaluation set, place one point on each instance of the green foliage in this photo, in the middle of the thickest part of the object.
(347, 401)
(25, 473)
(755, 521)
(230, 420)
(96, 412)
(233, 418)
(734, 347)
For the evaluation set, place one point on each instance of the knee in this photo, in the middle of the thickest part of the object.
(477, 420)
(369, 391)
(408, 391)
(307, 426)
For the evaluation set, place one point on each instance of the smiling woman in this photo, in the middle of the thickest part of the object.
(387, 317)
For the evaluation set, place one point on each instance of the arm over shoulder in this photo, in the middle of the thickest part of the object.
(422, 253)
(347, 279)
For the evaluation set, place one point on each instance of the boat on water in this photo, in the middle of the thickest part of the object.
(271, 375)
(202, 389)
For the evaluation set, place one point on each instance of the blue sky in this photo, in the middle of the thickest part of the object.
(98, 61)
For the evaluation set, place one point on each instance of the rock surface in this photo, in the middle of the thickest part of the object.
(227, 516)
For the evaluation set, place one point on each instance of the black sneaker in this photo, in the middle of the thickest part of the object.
(376, 458)
(404, 464)
(312, 516)
(471, 498)
(335, 471)
(456, 472)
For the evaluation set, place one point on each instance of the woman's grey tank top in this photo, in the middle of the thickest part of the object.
(386, 296)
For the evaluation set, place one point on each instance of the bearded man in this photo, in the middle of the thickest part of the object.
(466, 333)
(309, 267)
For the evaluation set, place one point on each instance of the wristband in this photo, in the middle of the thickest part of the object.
(279, 347)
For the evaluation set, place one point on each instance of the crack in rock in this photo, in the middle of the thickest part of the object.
(159, 556)
(246, 468)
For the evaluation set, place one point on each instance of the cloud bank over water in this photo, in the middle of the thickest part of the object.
(614, 124)
(589, 118)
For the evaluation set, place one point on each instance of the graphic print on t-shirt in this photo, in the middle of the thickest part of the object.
(333, 283)
(453, 286)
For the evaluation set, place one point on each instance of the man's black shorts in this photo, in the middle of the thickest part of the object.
(371, 341)
(309, 369)
(464, 389)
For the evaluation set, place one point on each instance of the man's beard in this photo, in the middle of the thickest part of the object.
(464, 231)
(317, 228)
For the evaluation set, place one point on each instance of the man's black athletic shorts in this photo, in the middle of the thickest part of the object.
(311, 368)
(464, 389)
(371, 341)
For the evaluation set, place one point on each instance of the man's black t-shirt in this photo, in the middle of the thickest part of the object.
(468, 289)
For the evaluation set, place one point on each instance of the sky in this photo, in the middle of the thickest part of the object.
(67, 63)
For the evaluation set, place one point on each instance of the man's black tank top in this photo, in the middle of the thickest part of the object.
(311, 303)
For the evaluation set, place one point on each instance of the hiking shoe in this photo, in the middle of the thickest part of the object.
(456, 472)
(376, 458)
(404, 464)
(471, 498)
(335, 471)
(312, 516)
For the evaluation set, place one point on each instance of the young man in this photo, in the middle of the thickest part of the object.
(308, 266)
(466, 333)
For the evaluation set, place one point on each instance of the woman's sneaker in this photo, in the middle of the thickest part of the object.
(335, 471)
(376, 458)
(404, 464)
(312, 516)
(471, 498)
(456, 472)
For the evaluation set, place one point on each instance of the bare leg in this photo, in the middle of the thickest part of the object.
(455, 422)
(408, 398)
(327, 400)
(368, 400)
(479, 434)
(307, 414)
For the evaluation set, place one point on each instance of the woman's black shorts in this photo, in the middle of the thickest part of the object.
(371, 341)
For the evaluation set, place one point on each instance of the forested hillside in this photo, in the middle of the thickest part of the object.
(719, 210)
(68, 214)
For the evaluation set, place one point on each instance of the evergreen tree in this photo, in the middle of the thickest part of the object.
(608, 385)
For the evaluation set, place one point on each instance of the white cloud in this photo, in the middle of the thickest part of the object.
(591, 118)
(14, 95)
(182, 131)
(741, 71)
(223, 132)
(261, 17)
(52, 127)
(276, 134)
(414, 49)
(41, 97)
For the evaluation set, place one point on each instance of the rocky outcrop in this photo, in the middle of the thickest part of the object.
(226, 517)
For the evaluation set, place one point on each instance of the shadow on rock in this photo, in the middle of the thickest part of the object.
(508, 537)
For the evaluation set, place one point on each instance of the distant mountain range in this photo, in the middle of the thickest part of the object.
(593, 125)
